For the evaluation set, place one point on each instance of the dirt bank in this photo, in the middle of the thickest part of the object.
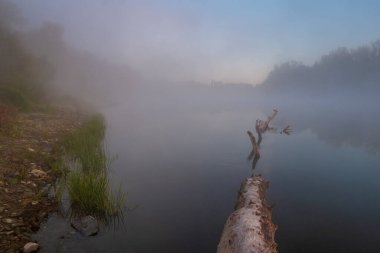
(27, 151)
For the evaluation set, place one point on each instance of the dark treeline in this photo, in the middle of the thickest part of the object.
(349, 70)
(37, 65)
(78, 73)
(22, 76)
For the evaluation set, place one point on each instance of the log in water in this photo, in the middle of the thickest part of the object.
(249, 228)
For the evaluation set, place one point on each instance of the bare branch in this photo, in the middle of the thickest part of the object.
(258, 131)
(287, 130)
(255, 147)
(263, 126)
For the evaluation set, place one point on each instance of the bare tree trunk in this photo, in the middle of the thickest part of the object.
(249, 228)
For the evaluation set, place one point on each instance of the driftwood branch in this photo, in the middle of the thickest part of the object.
(258, 131)
(255, 153)
(287, 130)
(255, 147)
(249, 228)
(263, 126)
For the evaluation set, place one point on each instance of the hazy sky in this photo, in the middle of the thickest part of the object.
(204, 40)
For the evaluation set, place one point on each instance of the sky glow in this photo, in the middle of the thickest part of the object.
(220, 40)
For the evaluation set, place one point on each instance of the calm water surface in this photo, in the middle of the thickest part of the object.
(182, 167)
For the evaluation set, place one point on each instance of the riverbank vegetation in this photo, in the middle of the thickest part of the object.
(348, 70)
(23, 76)
(43, 137)
(85, 166)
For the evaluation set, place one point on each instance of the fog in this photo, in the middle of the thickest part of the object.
(90, 49)
(144, 56)
(180, 83)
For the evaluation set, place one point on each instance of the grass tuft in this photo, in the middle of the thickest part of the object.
(86, 174)
(86, 145)
(90, 194)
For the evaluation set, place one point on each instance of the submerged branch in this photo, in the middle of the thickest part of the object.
(258, 131)
(287, 130)
(255, 148)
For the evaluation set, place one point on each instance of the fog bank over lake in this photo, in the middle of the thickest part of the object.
(179, 83)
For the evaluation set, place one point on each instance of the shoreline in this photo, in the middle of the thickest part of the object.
(27, 174)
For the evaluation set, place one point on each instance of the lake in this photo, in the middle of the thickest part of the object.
(181, 163)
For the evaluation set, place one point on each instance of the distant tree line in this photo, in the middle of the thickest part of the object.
(37, 65)
(356, 70)
(22, 75)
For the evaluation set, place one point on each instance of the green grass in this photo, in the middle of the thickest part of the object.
(90, 194)
(86, 178)
(86, 145)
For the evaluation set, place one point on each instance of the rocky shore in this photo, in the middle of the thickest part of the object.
(27, 175)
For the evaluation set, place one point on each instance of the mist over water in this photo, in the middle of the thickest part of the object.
(180, 84)
(182, 164)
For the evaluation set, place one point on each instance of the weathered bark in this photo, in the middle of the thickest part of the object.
(249, 228)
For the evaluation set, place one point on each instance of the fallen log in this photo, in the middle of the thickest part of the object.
(249, 229)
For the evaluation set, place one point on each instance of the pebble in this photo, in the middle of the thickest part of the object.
(7, 232)
(38, 173)
(8, 220)
(30, 247)
(14, 214)
(18, 224)
(87, 225)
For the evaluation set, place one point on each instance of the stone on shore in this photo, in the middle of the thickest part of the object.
(30, 247)
(87, 225)
(38, 173)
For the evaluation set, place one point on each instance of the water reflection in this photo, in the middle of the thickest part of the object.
(340, 124)
(186, 187)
